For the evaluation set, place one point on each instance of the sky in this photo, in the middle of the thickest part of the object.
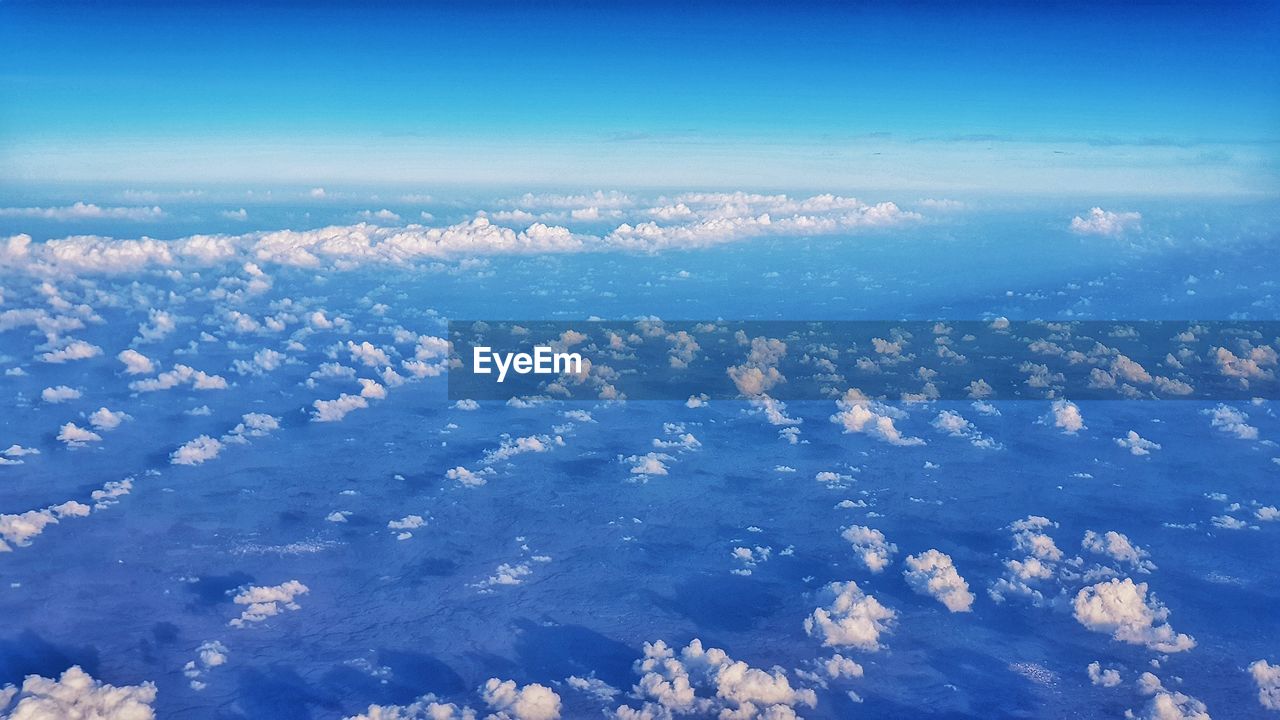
(1060, 98)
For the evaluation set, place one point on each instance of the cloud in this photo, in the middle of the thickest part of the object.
(953, 424)
(427, 707)
(85, 211)
(932, 573)
(1231, 421)
(1118, 547)
(1066, 415)
(697, 220)
(859, 414)
(76, 694)
(1103, 678)
(530, 702)
(135, 363)
(468, 478)
(336, 410)
(104, 419)
(1123, 609)
(707, 682)
(873, 550)
(197, 451)
(1136, 444)
(58, 394)
(850, 619)
(1267, 677)
(75, 436)
(180, 375)
(74, 350)
(17, 530)
(1167, 704)
(263, 602)
(1106, 223)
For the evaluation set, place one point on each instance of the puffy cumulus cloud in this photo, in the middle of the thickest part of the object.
(1023, 577)
(111, 492)
(932, 573)
(209, 655)
(953, 424)
(197, 451)
(1166, 704)
(13, 454)
(262, 362)
(1129, 614)
(135, 363)
(1103, 678)
(85, 211)
(180, 375)
(60, 393)
(514, 702)
(263, 602)
(371, 389)
(649, 464)
(1137, 444)
(1267, 677)
(336, 410)
(859, 414)
(75, 436)
(74, 350)
(1118, 547)
(510, 447)
(851, 618)
(466, 477)
(368, 353)
(158, 326)
(871, 546)
(427, 707)
(706, 682)
(75, 695)
(1106, 223)
(17, 530)
(1232, 422)
(1253, 366)
(104, 419)
(1066, 415)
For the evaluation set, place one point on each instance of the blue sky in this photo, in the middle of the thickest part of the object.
(997, 96)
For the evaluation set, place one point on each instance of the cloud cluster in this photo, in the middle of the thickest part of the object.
(850, 618)
(1126, 611)
(1106, 223)
(76, 694)
(871, 546)
(859, 414)
(932, 573)
(264, 602)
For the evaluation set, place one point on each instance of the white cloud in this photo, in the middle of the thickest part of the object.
(1106, 223)
(75, 436)
(180, 375)
(74, 350)
(850, 619)
(468, 478)
(336, 410)
(530, 702)
(1136, 444)
(1166, 704)
(84, 211)
(1267, 677)
(859, 414)
(104, 419)
(932, 573)
(953, 424)
(1103, 678)
(1232, 422)
(873, 550)
(197, 451)
(135, 363)
(1118, 547)
(267, 601)
(17, 530)
(1124, 609)
(58, 394)
(76, 694)
(1066, 415)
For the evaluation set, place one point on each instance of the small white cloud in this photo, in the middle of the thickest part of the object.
(104, 419)
(1136, 444)
(58, 394)
(74, 350)
(1124, 609)
(336, 410)
(850, 619)
(75, 436)
(1106, 223)
(530, 702)
(76, 694)
(1267, 677)
(932, 573)
(1066, 415)
(135, 363)
(197, 451)
(267, 601)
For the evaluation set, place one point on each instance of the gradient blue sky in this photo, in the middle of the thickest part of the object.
(1176, 97)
